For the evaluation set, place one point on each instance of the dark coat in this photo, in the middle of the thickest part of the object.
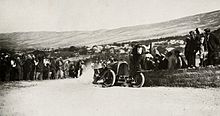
(40, 67)
(28, 65)
(53, 65)
(211, 42)
(191, 47)
(19, 69)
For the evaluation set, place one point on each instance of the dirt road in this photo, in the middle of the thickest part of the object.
(78, 97)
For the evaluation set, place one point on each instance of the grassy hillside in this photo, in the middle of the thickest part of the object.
(202, 77)
(133, 33)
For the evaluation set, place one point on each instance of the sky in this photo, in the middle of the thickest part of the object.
(87, 15)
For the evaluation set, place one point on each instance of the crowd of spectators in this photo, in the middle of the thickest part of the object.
(203, 44)
(15, 67)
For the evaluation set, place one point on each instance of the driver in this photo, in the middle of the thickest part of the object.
(97, 65)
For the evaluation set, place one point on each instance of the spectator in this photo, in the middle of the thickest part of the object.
(211, 45)
(46, 71)
(59, 66)
(27, 67)
(136, 59)
(19, 68)
(78, 68)
(33, 70)
(82, 63)
(172, 61)
(191, 49)
(200, 45)
(180, 61)
(13, 71)
(163, 62)
(53, 68)
(72, 70)
(66, 68)
(39, 70)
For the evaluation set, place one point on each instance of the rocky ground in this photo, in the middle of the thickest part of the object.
(69, 97)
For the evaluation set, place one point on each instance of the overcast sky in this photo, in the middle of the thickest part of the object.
(69, 15)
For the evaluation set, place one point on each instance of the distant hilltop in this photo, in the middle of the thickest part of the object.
(181, 26)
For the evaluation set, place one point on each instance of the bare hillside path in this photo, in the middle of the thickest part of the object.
(69, 97)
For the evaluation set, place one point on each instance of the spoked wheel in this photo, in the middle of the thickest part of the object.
(109, 78)
(139, 80)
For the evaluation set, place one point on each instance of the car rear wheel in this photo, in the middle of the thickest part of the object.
(139, 80)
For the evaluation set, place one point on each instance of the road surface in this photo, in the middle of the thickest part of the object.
(79, 97)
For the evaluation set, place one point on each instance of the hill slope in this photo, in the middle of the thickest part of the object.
(133, 33)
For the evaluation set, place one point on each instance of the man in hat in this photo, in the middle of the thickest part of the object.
(191, 49)
(211, 45)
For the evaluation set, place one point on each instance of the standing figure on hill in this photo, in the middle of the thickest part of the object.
(172, 61)
(59, 65)
(211, 45)
(13, 71)
(46, 71)
(66, 68)
(28, 66)
(33, 70)
(53, 68)
(191, 49)
(4, 67)
(163, 62)
(180, 61)
(39, 70)
(19, 68)
(78, 69)
(72, 70)
(82, 63)
(136, 59)
(200, 45)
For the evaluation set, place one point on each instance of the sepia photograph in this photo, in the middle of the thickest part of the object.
(109, 57)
